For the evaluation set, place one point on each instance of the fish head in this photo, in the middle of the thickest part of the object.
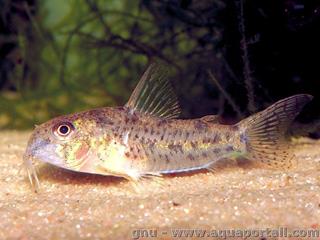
(64, 141)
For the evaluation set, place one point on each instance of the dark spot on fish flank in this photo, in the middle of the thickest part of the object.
(227, 135)
(146, 130)
(152, 151)
(167, 158)
(133, 117)
(187, 135)
(151, 144)
(107, 121)
(190, 157)
(135, 156)
(216, 150)
(162, 137)
(229, 149)
(243, 138)
(204, 154)
(164, 130)
(131, 149)
(200, 125)
(126, 120)
(171, 146)
(179, 146)
(175, 132)
(127, 154)
(193, 144)
(116, 134)
(205, 140)
(152, 131)
(216, 138)
(175, 148)
(161, 122)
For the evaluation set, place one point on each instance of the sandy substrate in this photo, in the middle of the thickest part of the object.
(239, 196)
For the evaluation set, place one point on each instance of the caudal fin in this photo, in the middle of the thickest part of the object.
(265, 132)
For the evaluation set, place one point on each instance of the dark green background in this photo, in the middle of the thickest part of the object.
(63, 56)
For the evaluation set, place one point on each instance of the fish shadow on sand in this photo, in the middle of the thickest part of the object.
(52, 173)
(219, 167)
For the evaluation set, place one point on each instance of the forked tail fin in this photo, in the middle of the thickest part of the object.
(264, 134)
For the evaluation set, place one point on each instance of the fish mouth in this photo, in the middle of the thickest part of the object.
(37, 150)
(28, 162)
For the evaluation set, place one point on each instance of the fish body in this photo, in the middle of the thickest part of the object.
(133, 144)
(145, 138)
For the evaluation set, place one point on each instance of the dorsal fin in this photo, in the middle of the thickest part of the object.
(154, 94)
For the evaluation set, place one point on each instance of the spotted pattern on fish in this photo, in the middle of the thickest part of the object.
(145, 138)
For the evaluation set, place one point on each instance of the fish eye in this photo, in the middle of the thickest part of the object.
(63, 129)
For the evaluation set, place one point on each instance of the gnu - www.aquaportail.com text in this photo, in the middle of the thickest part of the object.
(227, 233)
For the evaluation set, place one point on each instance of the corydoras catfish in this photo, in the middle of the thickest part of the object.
(145, 138)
